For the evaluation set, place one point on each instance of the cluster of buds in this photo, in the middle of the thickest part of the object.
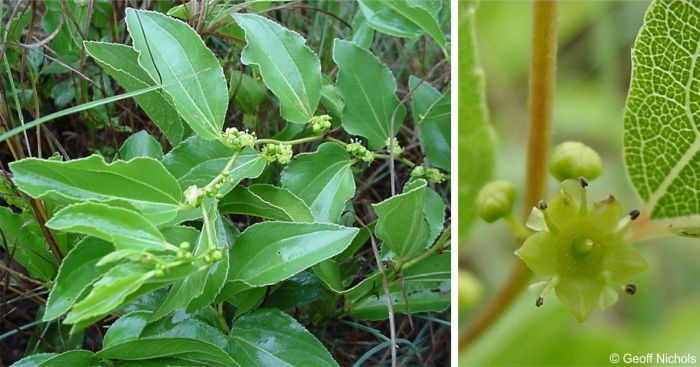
(194, 195)
(431, 174)
(357, 150)
(320, 124)
(238, 139)
(281, 153)
(396, 147)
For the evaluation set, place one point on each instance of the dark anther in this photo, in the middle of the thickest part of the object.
(542, 205)
(539, 302)
(634, 214)
(583, 182)
(631, 289)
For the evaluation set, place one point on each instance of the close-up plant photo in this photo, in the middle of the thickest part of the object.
(226, 183)
(579, 190)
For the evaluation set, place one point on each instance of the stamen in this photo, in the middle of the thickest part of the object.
(547, 220)
(583, 205)
(582, 180)
(634, 214)
(631, 289)
(539, 302)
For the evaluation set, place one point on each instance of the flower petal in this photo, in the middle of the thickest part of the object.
(539, 253)
(606, 214)
(622, 261)
(580, 294)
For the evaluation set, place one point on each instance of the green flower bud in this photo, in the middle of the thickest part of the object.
(217, 255)
(495, 200)
(158, 273)
(469, 289)
(418, 171)
(571, 160)
(320, 124)
(185, 246)
(188, 256)
(583, 249)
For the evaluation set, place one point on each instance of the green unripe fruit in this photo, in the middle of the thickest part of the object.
(495, 200)
(217, 255)
(571, 160)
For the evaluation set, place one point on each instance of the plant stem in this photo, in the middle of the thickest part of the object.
(541, 92)
(289, 142)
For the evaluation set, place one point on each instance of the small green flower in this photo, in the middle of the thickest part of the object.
(434, 175)
(281, 153)
(359, 151)
(320, 123)
(583, 249)
(238, 139)
(397, 148)
(193, 196)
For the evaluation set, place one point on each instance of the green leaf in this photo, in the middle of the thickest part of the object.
(323, 179)
(401, 18)
(78, 271)
(266, 201)
(423, 96)
(168, 48)
(332, 100)
(422, 297)
(125, 228)
(476, 140)
(27, 245)
(297, 291)
(142, 182)
(328, 272)
(293, 345)
(662, 115)
(197, 161)
(362, 33)
(401, 221)
(247, 92)
(433, 121)
(126, 328)
(288, 67)
(185, 349)
(121, 63)
(66, 359)
(186, 338)
(110, 291)
(141, 144)
(369, 90)
(269, 252)
(183, 292)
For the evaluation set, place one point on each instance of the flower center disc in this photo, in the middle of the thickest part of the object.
(581, 247)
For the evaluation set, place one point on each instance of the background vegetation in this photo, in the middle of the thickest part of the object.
(595, 38)
(45, 69)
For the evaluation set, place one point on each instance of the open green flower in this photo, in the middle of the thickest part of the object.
(583, 249)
